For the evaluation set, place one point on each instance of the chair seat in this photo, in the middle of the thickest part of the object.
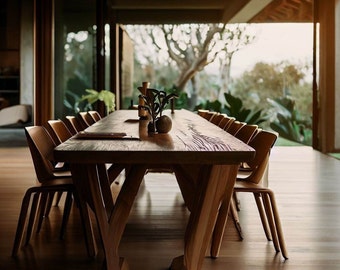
(245, 186)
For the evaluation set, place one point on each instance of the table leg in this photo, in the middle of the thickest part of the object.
(77, 178)
(111, 220)
(215, 184)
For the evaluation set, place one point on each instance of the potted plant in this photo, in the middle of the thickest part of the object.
(105, 96)
(155, 102)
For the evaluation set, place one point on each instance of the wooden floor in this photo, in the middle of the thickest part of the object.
(307, 186)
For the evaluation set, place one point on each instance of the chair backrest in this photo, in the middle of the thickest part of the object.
(95, 115)
(217, 119)
(210, 115)
(73, 124)
(262, 143)
(89, 119)
(235, 127)
(203, 113)
(85, 119)
(59, 130)
(41, 146)
(246, 133)
(226, 122)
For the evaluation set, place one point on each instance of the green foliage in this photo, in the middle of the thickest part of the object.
(272, 80)
(181, 99)
(285, 86)
(235, 108)
(78, 72)
(288, 123)
(215, 106)
(74, 104)
(71, 101)
(105, 96)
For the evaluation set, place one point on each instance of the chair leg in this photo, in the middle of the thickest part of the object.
(278, 225)
(262, 216)
(33, 213)
(270, 219)
(234, 214)
(59, 195)
(21, 222)
(49, 203)
(42, 209)
(237, 201)
(66, 215)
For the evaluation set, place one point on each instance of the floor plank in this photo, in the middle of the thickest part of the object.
(307, 188)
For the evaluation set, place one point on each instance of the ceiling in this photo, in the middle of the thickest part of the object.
(209, 11)
(286, 11)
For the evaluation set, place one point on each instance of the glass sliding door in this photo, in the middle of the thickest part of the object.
(75, 54)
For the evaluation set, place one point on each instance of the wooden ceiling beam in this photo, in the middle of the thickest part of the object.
(167, 4)
(177, 11)
(232, 8)
(203, 11)
(286, 11)
(166, 17)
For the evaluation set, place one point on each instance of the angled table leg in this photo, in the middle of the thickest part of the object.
(213, 185)
(78, 176)
(111, 218)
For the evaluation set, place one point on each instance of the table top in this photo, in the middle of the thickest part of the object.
(192, 140)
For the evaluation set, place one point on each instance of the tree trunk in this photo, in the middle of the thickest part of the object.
(193, 99)
(225, 77)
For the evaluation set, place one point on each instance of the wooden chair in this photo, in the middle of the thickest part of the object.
(89, 118)
(203, 113)
(85, 119)
(264, 197)
(206, 114)
(246, 137)
(58, 130)
(235, 127)
(41, 146)
(95, 115)
(59, 133)
(73, 124)
(246, 133)
(226, 122)
(62, 133)
(210, 115)
(218, 117)
(82, 120)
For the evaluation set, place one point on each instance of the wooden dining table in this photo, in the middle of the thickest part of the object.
(203, 157)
